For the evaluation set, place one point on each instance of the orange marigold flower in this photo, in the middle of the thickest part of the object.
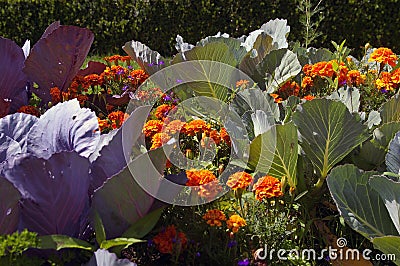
(103, 124)
(289, 88)
(235, 222)
(342, 73)
(162, 111)
(125, 58)
(276, 97)
(56, 96)
(169, 239)
(113, 58)
(243, 83)
(307, 83)
(395, 76)
(225, 136)
(174, 126)
(199, 177)
(384, 56)
(384, 83)
(29, 109)
(215, 136)
(82, 99)
(209, 190)
(117, 118)
(323, 69)
(159, 139)
(138, 76)
(214, 217)
(307, 69)
(267, 187)
(309, 97)
(94, 79)
(354, 78)
(196, 126)
(152, 127)
(239, 180)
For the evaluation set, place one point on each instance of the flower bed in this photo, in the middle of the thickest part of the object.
(247, 151)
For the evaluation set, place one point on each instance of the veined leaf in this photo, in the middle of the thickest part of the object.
(328, 132)
(393, 155)
(9, 207)
(389, 191)
(389, 245)
(58, 242)
(121, 241)
(360, 205)
(390, 110)
(349, 96)
(277, 157)
(278, 66)
(149, 60)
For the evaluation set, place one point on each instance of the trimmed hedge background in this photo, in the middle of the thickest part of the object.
(157, 22)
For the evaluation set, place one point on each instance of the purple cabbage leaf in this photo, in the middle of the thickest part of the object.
(13, 81)
(122, 201)
(57, 57)
(114, 151)
(54, 192)
(64, 127)
(9, 208)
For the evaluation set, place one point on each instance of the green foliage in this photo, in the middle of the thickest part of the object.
(157, 23)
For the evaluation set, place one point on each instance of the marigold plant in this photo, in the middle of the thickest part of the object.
(239, 180)
(214, 217)
(235, 222)
(169, 240)
(267, 187)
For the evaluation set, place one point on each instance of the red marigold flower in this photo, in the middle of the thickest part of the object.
(169, 240)
(29, 109)
(117, 118)
(159, 139)
(94, 79)
(267, 187)
(214, 217)
(354, 78)
(199, 177)
(235, 222)
(56, 96)
(309, 97)
(82, 99)
(307, 69)
(289, 88)
(138, 76)
(342, 73)
(239, 180)
(103, 124)
(196, 126)
(113, 58)
(384, 56)
(152, 127)
(225, 136)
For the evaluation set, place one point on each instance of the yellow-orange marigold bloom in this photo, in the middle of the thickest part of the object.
(103, 124)
(395, 76)
(354, 78)
(174, 126)
(162, 111)
(383, 55)
(307, 69)
(384, 82)
(210, 190)
(152, 127)
(113, 58)
(242, 83)
(342, 73)
(276, 97)
(117, 118)
(199, 177)
(267, 187)
(196, 126)
(55, 94)
(29, 109)
(159, 139)
(214, 217)
(169, 239)
(323, 69)
(235, 222)
(239, 180)
(307, 83)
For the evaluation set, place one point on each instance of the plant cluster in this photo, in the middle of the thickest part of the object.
(298, 151)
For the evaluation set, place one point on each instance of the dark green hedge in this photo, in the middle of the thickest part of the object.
(157, 22)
